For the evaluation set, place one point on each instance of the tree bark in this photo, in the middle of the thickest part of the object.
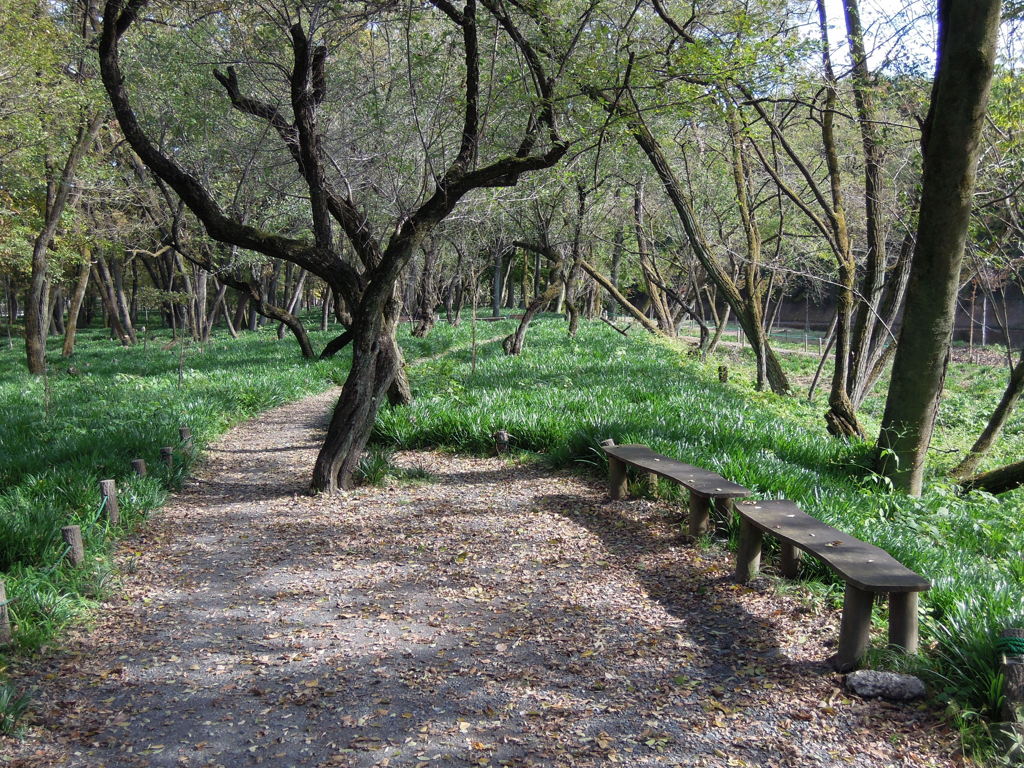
(997, 481)
(426, 298)
(694, 232)
(968, 31)
(996, 422)
(63, 195)
(513, 344)
(81, 284)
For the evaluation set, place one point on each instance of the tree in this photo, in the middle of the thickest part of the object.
(368, 288)
(968, 33)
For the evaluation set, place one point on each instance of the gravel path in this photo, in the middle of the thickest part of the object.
(497, 615)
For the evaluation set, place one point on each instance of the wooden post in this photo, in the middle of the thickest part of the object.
(723, 373)
(853, 631)
(805, 341)
(501, 441)
(820, 343)
(789, 559)
(616, 475)
(72, 535)
(700, 517)
(167, 456)
(108, 492)
(903, 621)
(186, 437)
(748, 556)
(139, 466)
(651, 481)
(1012, 668)
(5, 617)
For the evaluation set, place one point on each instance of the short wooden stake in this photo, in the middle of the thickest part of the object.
(5, 617)
(789, 560)
(748, 556)
(651, 481)
(903, 621)
(139, 466)
(723, 373)
(72, 535)
(186, 437)
(501, 441)
(108, 492)
(167, 456)
(854, 628)
(1012, 668)
(700, 514)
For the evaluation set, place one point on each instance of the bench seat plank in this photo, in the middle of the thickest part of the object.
(701, 481)
(864, 565)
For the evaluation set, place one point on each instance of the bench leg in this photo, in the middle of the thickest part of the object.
(700, 514)
(789, 560)
(723, 508)
(903, 620)
(853, 631)
(748, 557)
(616, 478)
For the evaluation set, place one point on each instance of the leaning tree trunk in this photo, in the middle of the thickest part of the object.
(995, 425)
(513, 344)
(71, 329)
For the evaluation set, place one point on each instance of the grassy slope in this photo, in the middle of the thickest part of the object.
(561, 397)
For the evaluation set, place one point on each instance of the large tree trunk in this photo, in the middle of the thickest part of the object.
(375, 363)
(968, 31)
(71, 330)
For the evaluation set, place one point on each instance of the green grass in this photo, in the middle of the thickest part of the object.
(558, 400)
(95, 412)
(563, 396)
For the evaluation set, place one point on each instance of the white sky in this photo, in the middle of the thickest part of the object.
(899, 34)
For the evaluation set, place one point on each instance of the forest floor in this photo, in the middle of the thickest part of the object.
(497, 614)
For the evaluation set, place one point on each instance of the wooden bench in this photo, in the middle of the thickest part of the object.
(866, 569)
(705, 487)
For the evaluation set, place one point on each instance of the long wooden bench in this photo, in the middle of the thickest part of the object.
(706, 488)
(866, 569)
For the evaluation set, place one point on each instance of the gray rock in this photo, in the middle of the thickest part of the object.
(871, 684)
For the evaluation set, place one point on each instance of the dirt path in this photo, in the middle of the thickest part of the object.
(496, 616)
